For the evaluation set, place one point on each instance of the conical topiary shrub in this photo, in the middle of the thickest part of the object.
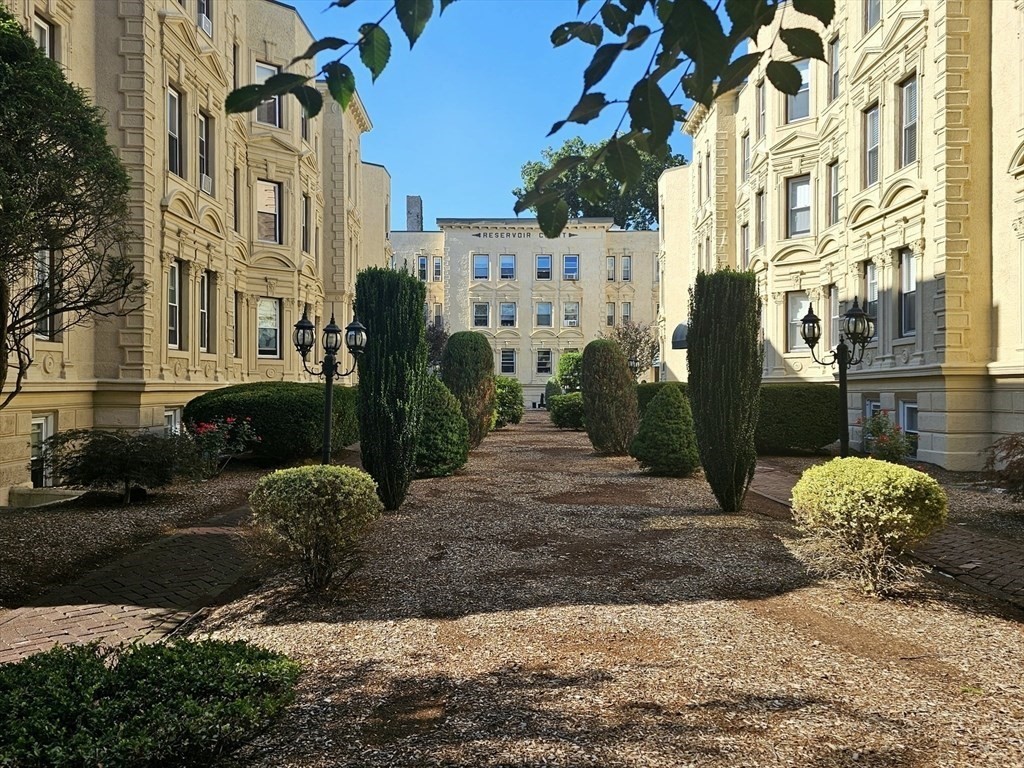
(609, 398)
(444, 434)
(666, 444)
(467, 369)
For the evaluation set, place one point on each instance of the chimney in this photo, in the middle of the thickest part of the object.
(413, 213)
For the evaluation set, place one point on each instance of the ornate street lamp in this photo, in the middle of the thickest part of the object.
(634, 366)
(304, 336)
(858, 328)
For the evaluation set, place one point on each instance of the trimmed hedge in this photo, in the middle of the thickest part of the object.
(508, 406)
(570, 372)
(552, 389)
(566, 411)
(797, 417)
(444, 435)
(666, 444)
(467, 369)
(287, 416)
(609, 398)
(648, 390)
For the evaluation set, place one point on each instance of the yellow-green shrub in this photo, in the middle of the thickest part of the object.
(317, 514)
(870, 512)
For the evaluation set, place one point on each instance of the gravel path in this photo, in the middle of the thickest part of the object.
(550, 607)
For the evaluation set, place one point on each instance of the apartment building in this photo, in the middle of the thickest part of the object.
(895, 176)
(241, 222)
(534, 298)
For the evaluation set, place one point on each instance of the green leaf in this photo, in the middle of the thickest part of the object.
(737, 71)
(614, 18)
(413, 15)
(803, 43)
(599, 66)
(282, 82)
(374, 48)
(635, 7)
(561, 166)
(310, 99)
(445, 4)
(586, 109)
(588, 33)
(823, 10)
(784, 76)
(649, 108)
(623, 162)
(340, 82)
(244, 99)
(593, 190)
(697, 32)
(637, 36)
(534, 198)
(341, 3)
(552, 217)
(324, 44)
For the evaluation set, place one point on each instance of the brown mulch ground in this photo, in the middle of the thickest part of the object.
(550, 607)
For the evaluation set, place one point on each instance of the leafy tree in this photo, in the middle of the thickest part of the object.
(437, 339)
(570, 372)
(610, 411)
(508, 401)
(592, 191)
(724, 360)
(638, 342)
(467, 369)
(64, 219)
(689, 54)
(392, 371)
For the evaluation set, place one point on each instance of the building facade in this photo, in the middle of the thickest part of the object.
(893, 177)
(534, 298)
(240, 222)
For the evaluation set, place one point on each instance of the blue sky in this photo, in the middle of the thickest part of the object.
(456, 118)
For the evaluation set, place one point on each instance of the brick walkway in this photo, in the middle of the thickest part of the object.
(144, 596)
(987, 564)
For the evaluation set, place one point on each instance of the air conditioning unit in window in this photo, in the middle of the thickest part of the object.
(571, 323)
(206, 183)
(206, 25)
(570, 277)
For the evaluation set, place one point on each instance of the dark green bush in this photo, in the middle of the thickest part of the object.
(648, 390)
(1004, 461)
(392, 376)
(665, 443)
(566, 411)
(467, 369)
(508, 405)
(609, 398)
(287, 416)
(551, 389)
(186, 703)
(570, 372)
(802, 417)
(444, 434)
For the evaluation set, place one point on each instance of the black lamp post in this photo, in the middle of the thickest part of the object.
(634, 366)
(304, 336)
(858, 328)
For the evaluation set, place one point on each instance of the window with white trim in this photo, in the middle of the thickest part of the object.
(872, 14)
(172, 421)
(174, 305)
(627, 312)
(438, 270)
(507, 314)
(237, 329)
(609, 311)
(798, 206)
(832, 177)
(269, 111)
(544, 361)
(908, 121)
(204, 13)
(870, 305)
(571, 314)
(268, 326)
(268, 211)
(745, 157)
(307, 213)
(421, 267)
(205, 306)
(42, 33)
(543, 314)
(908, 293)
(759, 219)
(762, 97)
(544, 266)
(835, 319)
(745, 245)
(570, 266)
(438, 314)
(205, 154)
(508, 361)
(833, 70)
(481, 314)
(175, 161)
(481, 266)
(908, 422)
(42, 430)
(44, 306)
(627, 268)
(798, 105)
(797, 305)
(610, 268)
(507, 266)
(871, 145)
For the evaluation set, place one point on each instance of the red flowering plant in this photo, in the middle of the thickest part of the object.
(884, 440)
(219, 440)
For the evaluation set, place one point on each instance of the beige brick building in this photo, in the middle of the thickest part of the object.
(240, 221)
(896, 176)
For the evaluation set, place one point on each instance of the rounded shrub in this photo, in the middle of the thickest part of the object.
(648, 390)
(508, 408)
(467, 369)
(665, 443)
(317, 515)
(287, 417)
(609, 398)
(551, 389)
(864, 514)
(444, 436)
(566, 411)
(570, 371)
(800, 417)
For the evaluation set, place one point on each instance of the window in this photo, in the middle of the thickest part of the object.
(544, 314)
(761, 109)
(834, 315)
(570, 267)
(235, 192)
(268, 207)
(481, 266)
(707, 252)
(908, 293)
(707, 174)
(304, 125)
(745, 245)
(508, 361)
(438, 314)
(797, 305)
(871, 138)
(745, 153)
(759, 218)
(268, 324)
(908, 121)
(627, 268)
(42, 33)
(174, 305)
(205, 304)
(238, 325)
(798, 106)
(833, 70)
(172, 421)
(269, 112)
(481, 315)
(871, 290)
(700, 177)
(421, 267)
(798, 205)
(507, 313)
(544, 361)
(872, 14)
(174, 158)
(908, 420)
(44, 307)
(205, 16)
(544, 267)
(437, 270)
(627, 312)
(610, 264)
(507, 266)
(42, 430)
(700, 257)
(571, 316)
(833, 192)
(306, 213)
(609, 309)
(205, 155)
